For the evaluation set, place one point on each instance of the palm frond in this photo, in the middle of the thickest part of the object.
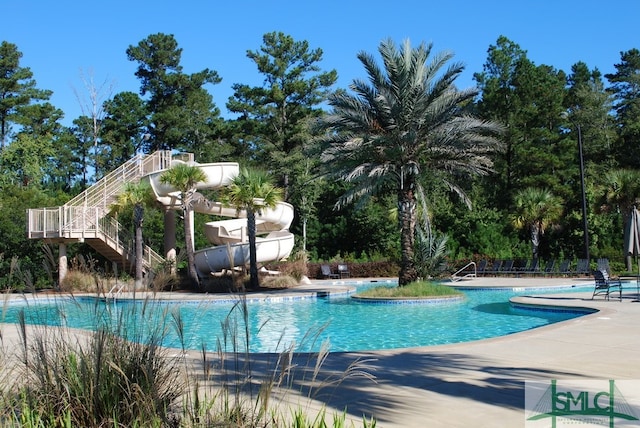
(430, 254)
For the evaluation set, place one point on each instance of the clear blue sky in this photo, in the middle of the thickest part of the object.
(61, 40)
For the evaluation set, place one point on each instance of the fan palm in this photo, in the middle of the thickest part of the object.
(623, 188)
(185, 178)
(536, 209)
(252, 191)
(136, 196)
(408, 120)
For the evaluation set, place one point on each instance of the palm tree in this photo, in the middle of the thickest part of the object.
(623, 192)
(185, 178)
(251, 190)
(536, 209)
(136, 196)
(410, 120)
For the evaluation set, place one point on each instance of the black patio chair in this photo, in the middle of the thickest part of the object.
(603, 264)
(495, 268)
(326, 272)
(582, 267)
(532, 267)
(481, 267)
(604, 284)
(565, 268)
(343, 271)
(507, 268)
(549, 267)
(521, 265)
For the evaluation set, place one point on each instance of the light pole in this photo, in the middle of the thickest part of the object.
(585, 225)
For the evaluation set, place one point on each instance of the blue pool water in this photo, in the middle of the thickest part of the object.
(305, 324)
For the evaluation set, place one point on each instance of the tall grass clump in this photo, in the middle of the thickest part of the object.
(295, 267)
(117, 376)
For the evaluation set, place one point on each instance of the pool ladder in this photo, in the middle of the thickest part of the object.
(474, 274)
(115, 291)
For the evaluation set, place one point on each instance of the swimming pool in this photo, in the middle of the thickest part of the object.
(304, 324)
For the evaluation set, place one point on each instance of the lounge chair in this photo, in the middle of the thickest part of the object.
(582, 267)
(521, 265)
(532, 267)
(495, 268)
(481, 267)
(326, 272)
(604, 285)
(565, 268)
(549, 267)
(603, 264)
(507, 268)
(343, 271)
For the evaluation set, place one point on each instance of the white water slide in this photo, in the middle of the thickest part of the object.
(229, 237)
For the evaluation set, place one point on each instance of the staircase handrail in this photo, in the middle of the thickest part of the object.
(126, 241)
(105, 190)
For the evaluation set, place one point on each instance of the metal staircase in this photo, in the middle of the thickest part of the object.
(84, 218)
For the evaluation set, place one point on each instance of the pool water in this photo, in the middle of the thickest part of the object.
(340, 323)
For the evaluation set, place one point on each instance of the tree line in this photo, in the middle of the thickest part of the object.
(493, 171)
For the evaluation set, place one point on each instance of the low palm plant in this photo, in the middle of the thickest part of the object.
(430, 254)
(135, 196)
(253, 192)
(185, 179)
(536, 209)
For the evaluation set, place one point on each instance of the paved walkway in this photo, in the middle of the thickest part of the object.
(474, 384)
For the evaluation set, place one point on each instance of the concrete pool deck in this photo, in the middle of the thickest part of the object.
(472, 384)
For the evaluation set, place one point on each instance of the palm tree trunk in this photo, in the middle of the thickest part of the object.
(253, 260)
(535, 239)
(188, 242)
(407, 219)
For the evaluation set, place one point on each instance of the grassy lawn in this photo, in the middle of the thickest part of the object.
(415, 289)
